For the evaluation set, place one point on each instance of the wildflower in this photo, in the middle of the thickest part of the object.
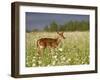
(33, 60)
(33, 64)
(60, 49)
(54, 62)
(69, 60)
(63, 58)
(48, 65)
(34, 57)
(82, 62)
(55, 56)
(39, 62)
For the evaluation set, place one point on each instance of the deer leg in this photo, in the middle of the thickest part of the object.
(40, 51)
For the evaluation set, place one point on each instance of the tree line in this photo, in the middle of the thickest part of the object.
(68, 26)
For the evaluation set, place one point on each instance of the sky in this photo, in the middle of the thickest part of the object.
(40, 20)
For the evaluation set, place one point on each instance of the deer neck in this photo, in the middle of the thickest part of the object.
(58, 40)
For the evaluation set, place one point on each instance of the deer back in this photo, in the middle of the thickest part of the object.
(45, 42)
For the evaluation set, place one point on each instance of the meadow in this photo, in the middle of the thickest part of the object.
(74, 50)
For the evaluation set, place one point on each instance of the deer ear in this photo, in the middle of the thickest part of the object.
(60, 32)
(57, 32)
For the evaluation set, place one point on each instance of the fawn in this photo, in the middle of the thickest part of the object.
(49, 42)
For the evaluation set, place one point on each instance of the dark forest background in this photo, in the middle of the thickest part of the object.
(68, 26)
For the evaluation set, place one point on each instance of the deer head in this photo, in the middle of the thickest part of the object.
(61, 35)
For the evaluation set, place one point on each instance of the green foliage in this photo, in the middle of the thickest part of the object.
(35, 30)
(53, 26)
(46, 28)
(28, 31)
(68, 26)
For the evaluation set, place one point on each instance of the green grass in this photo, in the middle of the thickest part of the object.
(75, 50)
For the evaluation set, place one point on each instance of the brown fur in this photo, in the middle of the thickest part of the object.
(49, 42)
